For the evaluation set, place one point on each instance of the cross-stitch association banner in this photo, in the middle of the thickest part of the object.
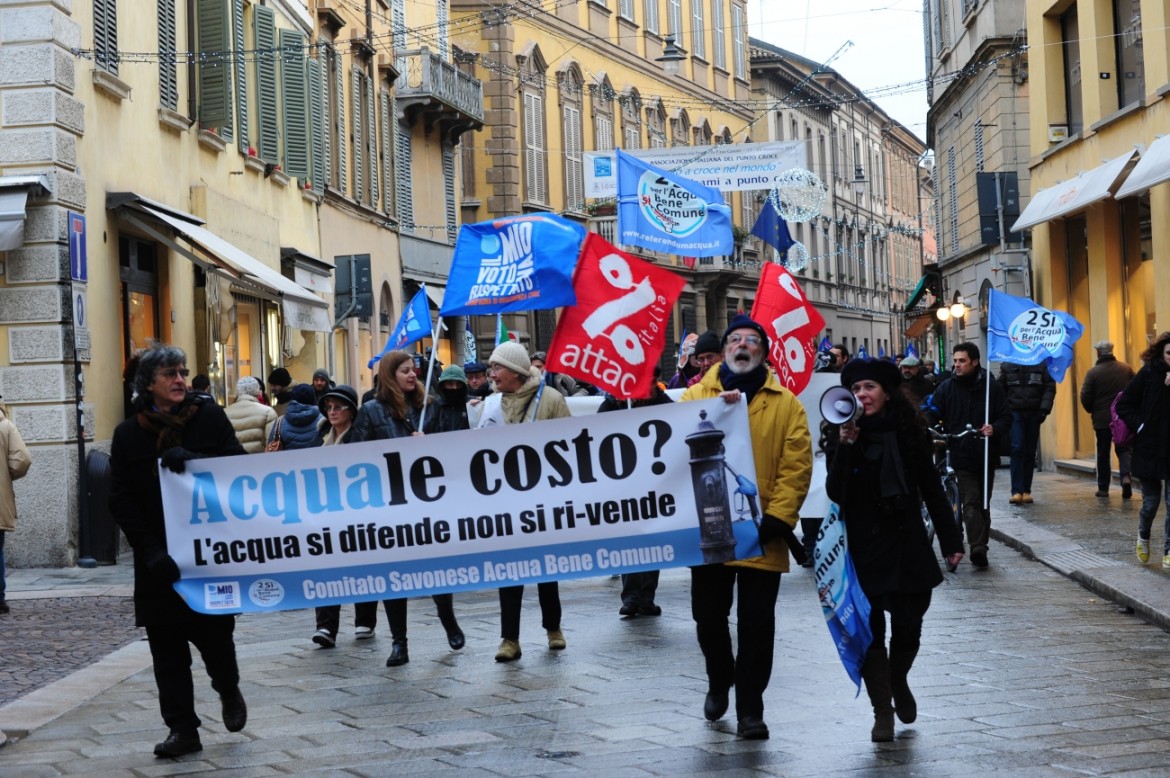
(568, 498)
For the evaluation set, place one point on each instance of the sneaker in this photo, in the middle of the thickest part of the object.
(363, 633)
(1016, 498)
(509, 651)
(556, 640)
(1143, 550)
(324, 638)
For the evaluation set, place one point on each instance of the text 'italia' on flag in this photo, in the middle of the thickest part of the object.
(664, 211)
(615, 335)
(792, 324)
(1023, 333)
(518, 263)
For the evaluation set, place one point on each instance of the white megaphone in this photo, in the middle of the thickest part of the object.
(838, 405)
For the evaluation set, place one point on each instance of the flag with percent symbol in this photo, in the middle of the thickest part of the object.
(844, 605)
(413, 326)
(516, 263)
(1023, 333)
(615, 334)
(792, 324)
(664, 211)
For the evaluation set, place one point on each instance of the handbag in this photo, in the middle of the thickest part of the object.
(275, 443)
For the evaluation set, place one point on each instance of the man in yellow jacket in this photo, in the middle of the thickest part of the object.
(782, 451)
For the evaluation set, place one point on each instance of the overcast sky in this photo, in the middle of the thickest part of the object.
(886, 51)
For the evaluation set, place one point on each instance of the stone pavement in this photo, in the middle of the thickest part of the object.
(1021, 673)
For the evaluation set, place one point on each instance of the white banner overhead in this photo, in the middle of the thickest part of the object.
(737, 167)
(608, 493)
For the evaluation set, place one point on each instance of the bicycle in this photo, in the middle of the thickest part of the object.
(946, 473)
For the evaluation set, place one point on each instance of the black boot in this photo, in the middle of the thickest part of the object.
(178, 744)
(876, 673)
(398, 655)
(235, 711)
(904, 703)
(445, 605)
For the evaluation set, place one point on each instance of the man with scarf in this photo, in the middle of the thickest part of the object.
(959, 402)
(782, 452)
(175, 426)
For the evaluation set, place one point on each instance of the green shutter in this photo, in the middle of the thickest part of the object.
(402, 165)
(387, 152)
(318, 137)
(449, 189)
(372, 141)
(265, 53)
(105, 35)
(339, 130)
(359, 152)
(168, 82)
(241, 76)
(294, 101)
(214, 65)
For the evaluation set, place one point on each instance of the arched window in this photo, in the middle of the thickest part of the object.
(631, 119)
(656, 124)
(703, 133)
(532, 69)
(680, 127)
(603, 95)
(570, 95)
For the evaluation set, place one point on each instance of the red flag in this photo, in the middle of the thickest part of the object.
(791, 322)
(614, 335)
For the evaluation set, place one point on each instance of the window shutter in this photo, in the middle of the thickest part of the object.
(651, 20)
(269, 133)
(737, 36)
(319, 137)
(105, 35)
(633, 138)
(698, 30)
(674, 19)
(168, 84)
(387, 151)
(442, 14)
(530, 175)
(626, 9)
(339, 133)
(372, 140)
(449, 190)
(242, 135)
(294, 102)
(214, 70)
(402, 166)
(604, 134)
(953, 196)
(355, 96)
(718, 33)
(574, 180)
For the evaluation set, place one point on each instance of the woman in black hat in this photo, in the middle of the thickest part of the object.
(880, 471)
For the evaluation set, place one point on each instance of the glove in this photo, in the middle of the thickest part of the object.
(772, 528)
(160, 565)
(175, 459)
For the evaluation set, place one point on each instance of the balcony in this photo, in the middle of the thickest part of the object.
(438, 93)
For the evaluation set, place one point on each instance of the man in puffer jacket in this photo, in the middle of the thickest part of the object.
(298, 426)
(251, 419)
(1030, 393)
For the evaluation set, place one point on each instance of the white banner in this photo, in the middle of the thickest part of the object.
(735, 167)
(568, 498)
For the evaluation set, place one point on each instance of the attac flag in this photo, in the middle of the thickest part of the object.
(792, 324)
(911, 351)
(1023, 333)
(414, 325)
(771, 229)
(614, 335)
(664, 211)
(518, 263)
(843, 603)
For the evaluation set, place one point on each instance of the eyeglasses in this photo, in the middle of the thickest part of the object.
(330, 408)
(706, 360)
(173, 373)
(751, 340)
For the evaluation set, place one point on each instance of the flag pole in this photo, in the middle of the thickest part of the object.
(422, 419)
(986, 440)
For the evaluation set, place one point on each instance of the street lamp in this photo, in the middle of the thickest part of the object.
(956, 310)
(672, 56)
(859, 181)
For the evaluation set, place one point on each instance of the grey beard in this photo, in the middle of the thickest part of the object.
(740, 369)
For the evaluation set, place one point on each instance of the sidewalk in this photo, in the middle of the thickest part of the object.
(1085, 538)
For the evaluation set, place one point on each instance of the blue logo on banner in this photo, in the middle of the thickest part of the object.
(602, 167)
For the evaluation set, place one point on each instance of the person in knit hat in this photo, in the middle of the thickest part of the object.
(322, 383)
(708, 353)
(782, 452)
(448, 413)
(280, 383)
(521, 398)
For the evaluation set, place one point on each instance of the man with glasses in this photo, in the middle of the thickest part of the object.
(782, 452)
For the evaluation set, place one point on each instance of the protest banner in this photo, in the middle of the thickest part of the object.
(791, 322)
(614, 335)
(844, 605)
(731, 167)
(641, 489)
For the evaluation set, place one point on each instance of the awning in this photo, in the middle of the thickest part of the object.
(435, 294)
(13, 199)
(1152, 169)
(1074, 195)
(924, 286)
(918, 327)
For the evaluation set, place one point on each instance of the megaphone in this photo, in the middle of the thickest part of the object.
(838, 405)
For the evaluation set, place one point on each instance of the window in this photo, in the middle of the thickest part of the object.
(386, 108)
(442, 24)
(213, 26)
(702, 134)
(570, 83)
(105, 35)
(1131, 79)
(403, 151)
(656, 125)
(168, 77)
(651, 20)
(674, 19)
(737, 41)
(603, 116)
(680, 128)
(449, 190)
(631, 120)
(626, 9)
(333, 91)
(318, 117)
(535, 162)
(698, 29)
(953, 197)
(295, 103)
(1070, 34)
(241, 72)
(979, 147)
(268, 133)
(718, 35)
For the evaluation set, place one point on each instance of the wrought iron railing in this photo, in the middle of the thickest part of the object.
(426, 74)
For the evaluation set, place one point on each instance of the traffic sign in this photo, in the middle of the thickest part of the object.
(78, 260)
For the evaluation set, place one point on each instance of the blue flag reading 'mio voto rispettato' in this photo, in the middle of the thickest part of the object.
(1023, 333)
(518, 263)
(663, 211)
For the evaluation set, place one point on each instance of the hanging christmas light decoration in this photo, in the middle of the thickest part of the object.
(798, 195)
(795, 259)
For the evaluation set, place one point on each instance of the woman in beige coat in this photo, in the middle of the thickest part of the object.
(251, 419)
(16, 455)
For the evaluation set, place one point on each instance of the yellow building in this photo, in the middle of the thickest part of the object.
(1100, 212)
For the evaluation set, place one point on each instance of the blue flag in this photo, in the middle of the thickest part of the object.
(771, 229)
(881, 351)
(862, 353)
(911, 351)
(664, 211)
(1023, 333)
(843, 603)
(517, 263)
(413, 326)
(826, 344)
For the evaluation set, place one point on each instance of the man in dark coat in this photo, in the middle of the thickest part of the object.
(916, 383)
(1101, 386)
(1030, 393)
(175, 426)
(960, 402)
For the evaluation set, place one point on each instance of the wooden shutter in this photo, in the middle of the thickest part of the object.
(371, 141)
(318, 132)
(402, 166)
(325, 58)
(574, 180)
(214, 38)
(633, 139)
(603, 140)
(387, 151)
(242, 135)
(294, 102)
(449, 190)
(168, 83)
(269, 132)
(534, 156)
(698, 29)
(355, 96)
(718, 34)
(105, 35)
(651, 18)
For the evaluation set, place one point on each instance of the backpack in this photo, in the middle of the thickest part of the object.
(1122, 436)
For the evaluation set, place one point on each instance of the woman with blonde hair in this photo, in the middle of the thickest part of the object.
(394, 413)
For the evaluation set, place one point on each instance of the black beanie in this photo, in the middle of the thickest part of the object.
(708, 343)
(743, 322)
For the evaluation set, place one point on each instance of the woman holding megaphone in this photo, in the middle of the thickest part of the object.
(880, 470)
